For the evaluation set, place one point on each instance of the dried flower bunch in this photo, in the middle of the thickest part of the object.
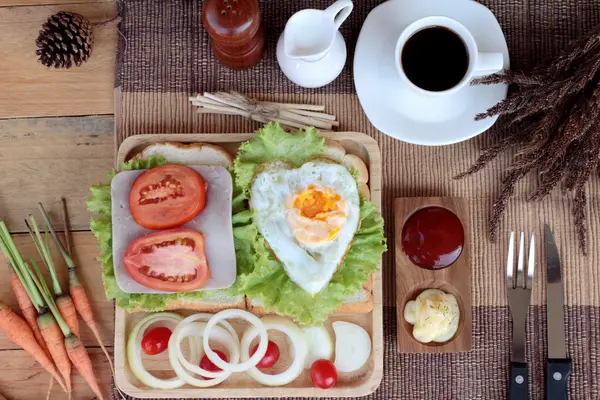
(553, 118)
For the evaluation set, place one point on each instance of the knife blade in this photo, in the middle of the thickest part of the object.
(558, 366)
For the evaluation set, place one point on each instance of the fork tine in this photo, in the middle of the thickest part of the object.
(531, 262)
(510, 261)
(520, 262)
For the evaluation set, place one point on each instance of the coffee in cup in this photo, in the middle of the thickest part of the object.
(438, 55)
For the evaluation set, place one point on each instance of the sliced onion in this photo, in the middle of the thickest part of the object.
(134, 351)
(248, 363)
(300, 351)
(199, 329)
(184, 330)
(352, 346)
(320, 344)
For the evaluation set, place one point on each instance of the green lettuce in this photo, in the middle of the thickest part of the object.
(260, 275)
(99, 203)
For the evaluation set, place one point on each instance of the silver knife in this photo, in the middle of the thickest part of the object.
(558, 366)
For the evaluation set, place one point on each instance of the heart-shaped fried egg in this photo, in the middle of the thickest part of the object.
(308, 216)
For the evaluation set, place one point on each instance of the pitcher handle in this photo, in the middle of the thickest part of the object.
(339, 11)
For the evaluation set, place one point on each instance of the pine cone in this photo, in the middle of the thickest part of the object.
(65, 40)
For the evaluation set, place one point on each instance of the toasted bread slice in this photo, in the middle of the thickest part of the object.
(188, 154)
(211, 304)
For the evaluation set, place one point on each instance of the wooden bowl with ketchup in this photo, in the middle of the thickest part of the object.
(433, 252)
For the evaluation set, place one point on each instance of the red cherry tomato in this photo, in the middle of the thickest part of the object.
(208, 365)
(156, 340)
(271, 356)
(323, 374)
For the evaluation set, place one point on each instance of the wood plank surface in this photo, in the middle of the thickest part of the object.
(22, 379)
(85, 249)
(30, 89)
(44, 159)
(65, 3)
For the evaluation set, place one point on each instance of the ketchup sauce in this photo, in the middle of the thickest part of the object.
(433, 238)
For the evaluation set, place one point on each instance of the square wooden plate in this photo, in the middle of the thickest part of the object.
(240, 385)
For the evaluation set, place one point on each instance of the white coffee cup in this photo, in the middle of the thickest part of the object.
(480, 63)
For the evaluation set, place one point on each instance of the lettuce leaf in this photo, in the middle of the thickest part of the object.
(260, 275)
(99, 203)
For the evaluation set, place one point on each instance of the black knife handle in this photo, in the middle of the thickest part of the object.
(518, 386)
(557, 374)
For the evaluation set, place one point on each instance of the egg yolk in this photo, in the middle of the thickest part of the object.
(317, 215)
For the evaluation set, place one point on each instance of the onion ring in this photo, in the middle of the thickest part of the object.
(300, 351)
(249, 363)
(134, 349)
(178, 336)
(199, 329)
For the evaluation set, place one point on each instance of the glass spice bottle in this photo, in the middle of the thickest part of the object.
(235, 30)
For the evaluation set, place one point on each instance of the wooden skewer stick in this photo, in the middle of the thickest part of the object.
(310, 107)
(304, 120)
(289, 115)
(319, 115)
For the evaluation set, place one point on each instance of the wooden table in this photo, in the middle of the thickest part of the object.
(56, 139)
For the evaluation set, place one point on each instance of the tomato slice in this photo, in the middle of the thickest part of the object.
(166, 197)
(171, 261)
(156, 340)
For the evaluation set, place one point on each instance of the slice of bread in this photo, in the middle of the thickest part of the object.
(188, 154)
(212, 303)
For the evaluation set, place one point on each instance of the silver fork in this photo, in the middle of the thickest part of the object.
(519, 296)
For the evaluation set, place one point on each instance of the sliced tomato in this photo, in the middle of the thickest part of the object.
(166, 197)
(171, 261)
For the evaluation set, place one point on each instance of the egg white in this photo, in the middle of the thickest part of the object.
(311, 267)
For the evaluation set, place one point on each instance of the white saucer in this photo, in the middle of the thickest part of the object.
(400, 112)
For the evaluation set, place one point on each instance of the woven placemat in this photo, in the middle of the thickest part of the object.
(164, 56)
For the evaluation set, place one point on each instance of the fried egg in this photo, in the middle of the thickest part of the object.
(434, 314)
(308, 216)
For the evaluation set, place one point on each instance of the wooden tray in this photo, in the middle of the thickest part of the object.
(357, 384)
(412, 280)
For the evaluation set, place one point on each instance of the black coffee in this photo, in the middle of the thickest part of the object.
(435, 59)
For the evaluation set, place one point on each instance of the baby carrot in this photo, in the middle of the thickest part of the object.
(54, 338)
(81, 360)
(84, 308)
(20, 334)
(78, 294)
(71, 343)
(63, 300)
(67, 310)
(27, 309)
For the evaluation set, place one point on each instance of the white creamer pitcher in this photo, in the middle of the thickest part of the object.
(311, 51)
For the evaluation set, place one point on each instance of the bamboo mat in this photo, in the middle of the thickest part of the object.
(164, 56)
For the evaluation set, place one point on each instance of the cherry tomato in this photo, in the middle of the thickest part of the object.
(171, 261)
(156, 340)
(166, 197)
(323, 374)
(271, 356)
(208, 365)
